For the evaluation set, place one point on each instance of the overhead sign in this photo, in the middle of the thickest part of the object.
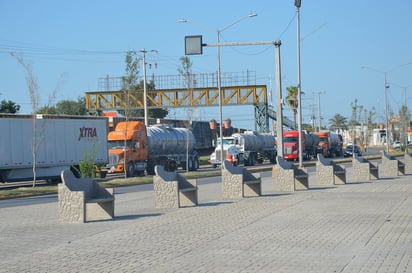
(193, 45)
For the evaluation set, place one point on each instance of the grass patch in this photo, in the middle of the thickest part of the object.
(27, 191)
(118, 182)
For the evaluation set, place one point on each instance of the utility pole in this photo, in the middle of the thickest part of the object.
(298, 5)
(313, 117)
(279, 110)
(143, 51)
(319, 115)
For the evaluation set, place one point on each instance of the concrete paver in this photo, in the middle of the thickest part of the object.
(357, 227)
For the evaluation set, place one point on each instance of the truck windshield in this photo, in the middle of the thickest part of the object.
(118, 144)
(290, 140)
(226, 141)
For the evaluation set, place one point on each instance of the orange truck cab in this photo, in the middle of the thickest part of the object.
(127, 147)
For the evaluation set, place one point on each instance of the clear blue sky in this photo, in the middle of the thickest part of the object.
(71, 44)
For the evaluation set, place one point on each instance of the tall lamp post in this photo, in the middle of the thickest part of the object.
(144, 51)
(297, 5)
(386, 86)
(404, 123)
(219, 77)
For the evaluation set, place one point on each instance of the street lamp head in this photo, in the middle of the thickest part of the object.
(297, 3)
(182, 21)
(252, 15)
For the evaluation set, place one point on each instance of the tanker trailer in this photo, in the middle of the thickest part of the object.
(255, 147)
(330, 143)
(247, 148)
(135, 148)
(311, 148)
(291, 145)
(172, 148)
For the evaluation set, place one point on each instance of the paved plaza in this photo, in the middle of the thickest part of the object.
(357, 227)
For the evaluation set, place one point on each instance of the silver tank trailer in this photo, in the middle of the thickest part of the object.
(166, 140)
(311, 140)
(252, 141)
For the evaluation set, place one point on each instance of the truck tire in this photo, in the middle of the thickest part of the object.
(130, 169)
(183, 165)
(194, 164)
(150, 167)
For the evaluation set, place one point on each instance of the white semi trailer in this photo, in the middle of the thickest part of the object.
(59, 142)
(248, 148)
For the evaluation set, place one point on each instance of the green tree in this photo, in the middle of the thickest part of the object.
(66, 107)
(71, 107)
(292, 100)
(185, 70)
(9, 107)
(47, 110)
(338, 122)
(133, 90)
(405, 118)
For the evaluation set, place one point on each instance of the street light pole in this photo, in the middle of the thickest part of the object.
(219, 77)
(219, 88)
(386, 112)
(386, 86)
(143, 51)
(298, 4)
(144, 88)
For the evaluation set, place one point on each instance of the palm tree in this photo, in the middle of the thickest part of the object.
(338, 121)
(292, 100)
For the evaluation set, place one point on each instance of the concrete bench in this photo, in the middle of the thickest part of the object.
(329, 173)
(172, 190)
(364, 170)
(289, 177)
(238, 182)
(390, 166)
(408, 163)
(83, 199)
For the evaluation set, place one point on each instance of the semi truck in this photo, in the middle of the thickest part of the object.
(330, 143)
(310, 144)
(248, 148)
(42, 146)
(135, 148)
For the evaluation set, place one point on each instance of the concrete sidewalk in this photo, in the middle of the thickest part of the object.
(357, 227)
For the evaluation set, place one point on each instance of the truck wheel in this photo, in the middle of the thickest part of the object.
(183, 165)
(196, 164)
(170, 165)
(190, 167)
(150, 168)
(102, 174)
(130, 169)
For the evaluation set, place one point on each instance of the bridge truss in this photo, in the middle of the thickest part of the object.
(255, 95)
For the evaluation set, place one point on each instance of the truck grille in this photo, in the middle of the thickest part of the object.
(288, 150)
(113, 160)
(218, 153)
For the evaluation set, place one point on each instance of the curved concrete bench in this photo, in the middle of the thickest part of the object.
(238, 182)
(83, 199)
(364, 170)
(289, 177)
(328, 172)
(390, 166)
(408, 163)
(173, 190)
